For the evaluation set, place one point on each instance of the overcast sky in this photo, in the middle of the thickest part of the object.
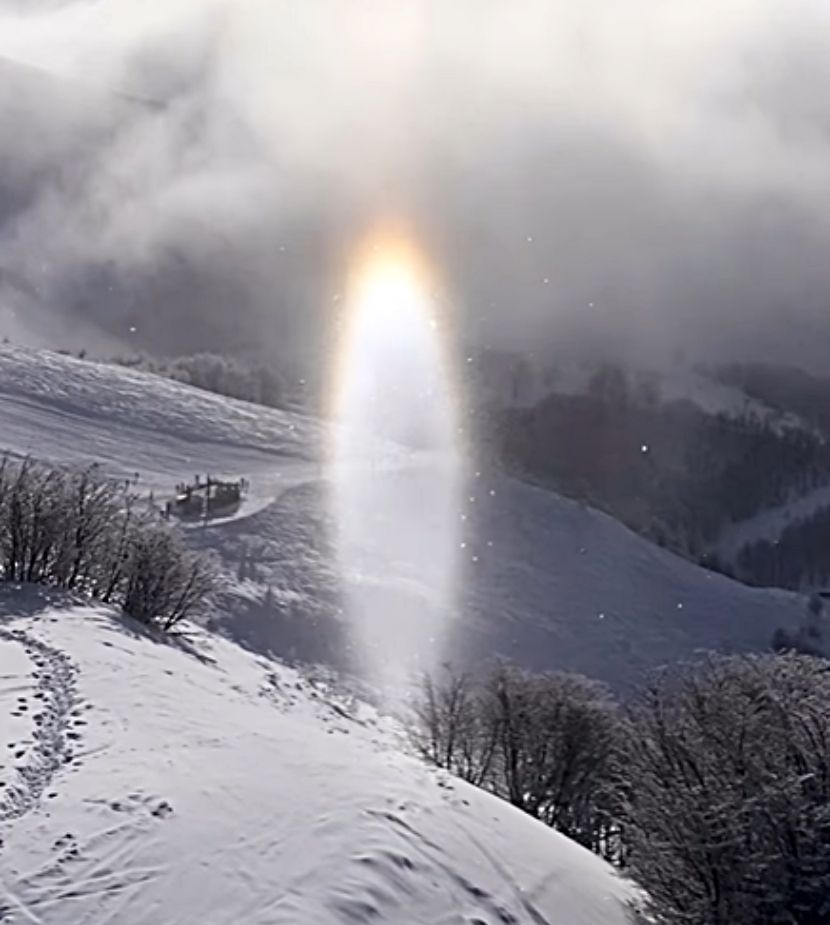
(640, 175)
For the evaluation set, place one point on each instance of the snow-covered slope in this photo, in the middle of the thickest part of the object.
(550, 582)
(62, 409)
(147, 783)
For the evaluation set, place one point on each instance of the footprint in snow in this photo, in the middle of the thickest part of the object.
(163, 810)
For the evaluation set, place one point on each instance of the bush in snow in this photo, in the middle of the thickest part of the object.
(165, 582)
(546, 743)
(727, 820)
(72, 529)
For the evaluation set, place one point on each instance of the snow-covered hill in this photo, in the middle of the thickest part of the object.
(146, 783)
(545, 580)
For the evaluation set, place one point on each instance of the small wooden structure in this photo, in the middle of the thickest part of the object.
(206, 499)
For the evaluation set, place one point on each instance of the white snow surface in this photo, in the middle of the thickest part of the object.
(149, 783)
(546, 581)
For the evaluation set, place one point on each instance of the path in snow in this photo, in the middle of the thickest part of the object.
(48, 706)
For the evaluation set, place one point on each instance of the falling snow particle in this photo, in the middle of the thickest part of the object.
(644, 448)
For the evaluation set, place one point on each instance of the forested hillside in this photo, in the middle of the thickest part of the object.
(672, 472)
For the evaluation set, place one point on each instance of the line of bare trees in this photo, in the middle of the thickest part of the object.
(74, 530)
(546, 743)
(712, 787)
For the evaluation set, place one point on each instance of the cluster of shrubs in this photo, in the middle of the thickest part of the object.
(711, 788)
(215, 373)
(71, 529)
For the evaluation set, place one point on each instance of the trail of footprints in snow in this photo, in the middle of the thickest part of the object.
(56, 719)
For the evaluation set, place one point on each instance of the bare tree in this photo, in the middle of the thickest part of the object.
(728, 814)
(451, 729)
(165, 583)
(546, 743)
(72, 529)
(558, 735)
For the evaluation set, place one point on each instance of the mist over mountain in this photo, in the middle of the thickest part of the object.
(631, 178)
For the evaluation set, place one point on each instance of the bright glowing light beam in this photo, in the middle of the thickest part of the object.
(395, 464)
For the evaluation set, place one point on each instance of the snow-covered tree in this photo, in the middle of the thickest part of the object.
(727, 820)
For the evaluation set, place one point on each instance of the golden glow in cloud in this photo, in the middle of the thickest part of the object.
(392, 341)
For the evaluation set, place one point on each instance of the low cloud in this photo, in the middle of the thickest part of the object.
(634, 177)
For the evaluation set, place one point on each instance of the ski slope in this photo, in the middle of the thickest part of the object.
(146, 783)
(544, 580)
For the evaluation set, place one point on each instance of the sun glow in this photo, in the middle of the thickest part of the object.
(394, 462)
(389, 272)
